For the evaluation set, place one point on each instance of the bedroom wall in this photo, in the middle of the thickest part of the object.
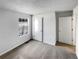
(9, 38)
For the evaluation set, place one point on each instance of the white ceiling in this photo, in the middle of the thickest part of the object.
(38, 6)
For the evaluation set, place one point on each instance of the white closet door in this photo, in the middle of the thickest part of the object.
(49, 29)
(65, 30)
(37, 28)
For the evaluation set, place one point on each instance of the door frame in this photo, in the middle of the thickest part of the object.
(42, 29)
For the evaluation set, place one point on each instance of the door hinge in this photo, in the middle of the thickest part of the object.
(72, 29)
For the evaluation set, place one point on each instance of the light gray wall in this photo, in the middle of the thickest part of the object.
(61, 14)
(9, 38)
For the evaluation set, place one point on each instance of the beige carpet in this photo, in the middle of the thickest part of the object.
(39, 50)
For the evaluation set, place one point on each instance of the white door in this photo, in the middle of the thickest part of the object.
(65, 30)
(37, 28)
(49, 29)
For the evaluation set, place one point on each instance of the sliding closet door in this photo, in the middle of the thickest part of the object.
(37, 28)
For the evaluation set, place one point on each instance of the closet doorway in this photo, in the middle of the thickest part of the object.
(66, 30)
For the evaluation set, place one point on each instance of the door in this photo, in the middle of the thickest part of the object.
(49, 29)
(38, 28)
(65, 30)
